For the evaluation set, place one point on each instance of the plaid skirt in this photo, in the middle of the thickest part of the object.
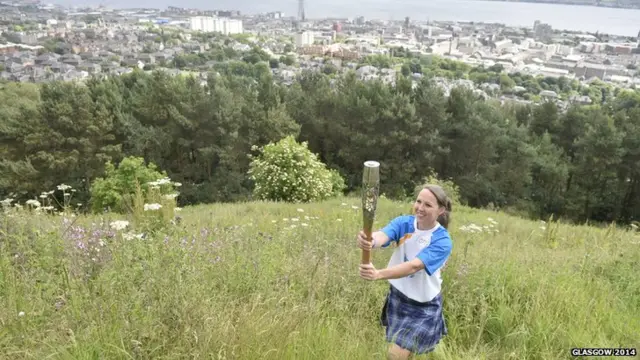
(414, 326)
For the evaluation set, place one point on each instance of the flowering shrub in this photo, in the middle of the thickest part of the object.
(116, 191)
(288, 171)
(337, 183)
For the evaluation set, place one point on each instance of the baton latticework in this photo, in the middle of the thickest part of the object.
(370, 188)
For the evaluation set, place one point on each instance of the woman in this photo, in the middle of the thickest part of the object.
(412, 312)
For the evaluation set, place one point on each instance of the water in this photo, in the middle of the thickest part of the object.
(568, 17)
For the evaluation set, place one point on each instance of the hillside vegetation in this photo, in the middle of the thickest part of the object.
(580, 163)
(258, 280)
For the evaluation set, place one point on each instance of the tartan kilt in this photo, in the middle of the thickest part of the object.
(414, 326)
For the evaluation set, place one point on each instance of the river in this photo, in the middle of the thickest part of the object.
(568, 17)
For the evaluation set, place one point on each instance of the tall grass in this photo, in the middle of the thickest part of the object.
(280, 281)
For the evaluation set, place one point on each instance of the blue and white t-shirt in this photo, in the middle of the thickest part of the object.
(432, 247)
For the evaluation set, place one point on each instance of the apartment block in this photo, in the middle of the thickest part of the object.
(225, 26)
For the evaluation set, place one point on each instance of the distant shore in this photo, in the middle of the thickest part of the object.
(594, 3)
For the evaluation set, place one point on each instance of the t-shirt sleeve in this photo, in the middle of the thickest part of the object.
(434, 255)
(396, 229)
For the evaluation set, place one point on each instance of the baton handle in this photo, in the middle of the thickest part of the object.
(366, 254)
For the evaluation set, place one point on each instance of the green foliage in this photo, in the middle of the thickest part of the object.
(256, 55)
(153, 206)
(288, 60)
(449, 187)
(533, 159)
(62, 135)
(117, 190)
(379, 61)
(338, 185)
(288, 171)
(87, 287)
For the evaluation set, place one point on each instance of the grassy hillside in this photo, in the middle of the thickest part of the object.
(275, 281)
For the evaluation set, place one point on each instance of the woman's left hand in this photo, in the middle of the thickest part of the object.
(368, 272)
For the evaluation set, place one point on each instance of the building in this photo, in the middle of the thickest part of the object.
(225, 26)
(304, 38)
(502, 44)
(541, 31)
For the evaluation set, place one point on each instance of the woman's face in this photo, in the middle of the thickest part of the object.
(427, 209)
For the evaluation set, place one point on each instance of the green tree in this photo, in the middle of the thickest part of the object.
(549, 174)
(67, 140)
(599, 154)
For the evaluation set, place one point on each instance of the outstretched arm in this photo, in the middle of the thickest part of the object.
(401, 270)
(430, 259)
(379, 239)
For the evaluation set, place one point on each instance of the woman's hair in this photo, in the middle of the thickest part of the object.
(444, 201)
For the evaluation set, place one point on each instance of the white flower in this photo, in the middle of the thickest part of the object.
(354, 207)
(177, 209)
(300, 210)
(472, 228)
(177, 184)
(148, 207)
(119, 224)
(32, 202)
(21, 313)
(63, 187)
(131, 236)
(6, 202)
(160, 182)
(171, 196)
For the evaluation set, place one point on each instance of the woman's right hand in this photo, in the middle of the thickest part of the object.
(363, 243)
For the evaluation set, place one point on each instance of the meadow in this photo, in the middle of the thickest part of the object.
(280, 281)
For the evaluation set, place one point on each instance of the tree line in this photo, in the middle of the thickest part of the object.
(580, 164)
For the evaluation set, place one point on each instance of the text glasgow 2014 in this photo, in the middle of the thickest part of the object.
(604, 352)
